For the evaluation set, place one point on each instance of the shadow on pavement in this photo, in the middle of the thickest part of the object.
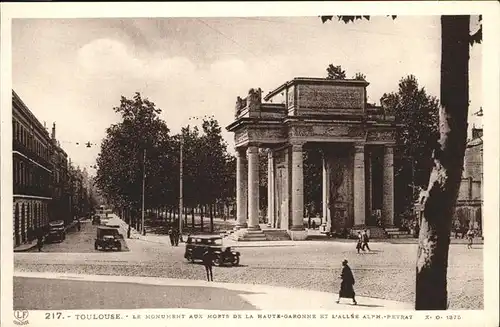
(47, 294)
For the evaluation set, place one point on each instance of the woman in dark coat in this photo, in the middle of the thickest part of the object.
(346, 286)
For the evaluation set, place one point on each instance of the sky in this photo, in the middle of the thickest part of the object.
(74, 71)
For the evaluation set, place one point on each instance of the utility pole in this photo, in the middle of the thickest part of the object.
(143, 187)
(180, 183)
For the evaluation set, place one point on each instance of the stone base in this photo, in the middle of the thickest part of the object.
(246, 234)
(298, 235)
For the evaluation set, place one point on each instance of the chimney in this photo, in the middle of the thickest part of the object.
(54, 131)
(477, 133)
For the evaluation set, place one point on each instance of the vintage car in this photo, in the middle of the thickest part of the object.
(57, 232)
(107, 238)
(197, 245)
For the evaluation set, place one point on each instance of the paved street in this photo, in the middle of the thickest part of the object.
(386, 273)
(77, 241)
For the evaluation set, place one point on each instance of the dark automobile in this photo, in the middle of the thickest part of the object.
(107, 238)
(197, 245)
(57, 232)
(96, 220)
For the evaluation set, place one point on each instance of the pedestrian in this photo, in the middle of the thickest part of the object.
(208, 262)
(366, 239)
(78, 225)
(171, 236)
(129, 231)
(359, 242)
(314, 224)
(470, 238)
(347, 284)
(39, 242)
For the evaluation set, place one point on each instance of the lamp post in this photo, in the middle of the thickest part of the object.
(180, 182)
(143, 187)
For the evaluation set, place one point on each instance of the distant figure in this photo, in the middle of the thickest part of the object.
(171, 236)
(457, 226)
(470, 238)
(176, 236)
(347, 284)
(314, 224)
(359, 242)
(208, 262)
(39, 242)
(366, 239)
(129, 230)
(78, 225)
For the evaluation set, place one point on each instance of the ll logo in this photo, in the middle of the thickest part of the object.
(21, 317)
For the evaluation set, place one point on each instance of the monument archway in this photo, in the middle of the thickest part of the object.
(355, 139)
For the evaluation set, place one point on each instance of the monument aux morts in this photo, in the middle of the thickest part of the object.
(332, 116)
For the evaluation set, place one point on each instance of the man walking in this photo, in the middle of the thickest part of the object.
(347, 284)
(359, 242)
(171, 236)
(39, 242)
(208, 262)
(366, 239)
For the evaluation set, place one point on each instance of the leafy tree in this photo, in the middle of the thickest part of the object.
(120, 164)
(439, 200)
(360, 77)
(417, 112)
(335, 72)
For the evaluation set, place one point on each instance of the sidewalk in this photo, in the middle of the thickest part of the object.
(263, 297)
(30, 245)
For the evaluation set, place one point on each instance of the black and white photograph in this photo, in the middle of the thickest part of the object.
(275, 165)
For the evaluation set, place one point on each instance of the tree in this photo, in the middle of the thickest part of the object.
(335, 72)
(417, 112)
(439, 200)
(120, 164)
(360, 77)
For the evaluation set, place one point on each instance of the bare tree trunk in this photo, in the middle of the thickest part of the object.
(212, 209)
(201, 218)
(441, 195)
(192, 218)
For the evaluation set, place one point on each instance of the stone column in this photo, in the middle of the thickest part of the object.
(241, 189)
(253, 188)
(297, 188)
(388, 187)
(270, 188)
(359, 184)
(369, 179)
(326, 191)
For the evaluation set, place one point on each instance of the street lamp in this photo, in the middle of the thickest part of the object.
(143, 187)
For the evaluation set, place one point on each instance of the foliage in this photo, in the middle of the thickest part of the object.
(417, 112)
(335, 72)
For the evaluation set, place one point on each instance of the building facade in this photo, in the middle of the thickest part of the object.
(45, 185)
(32, 173)
(470, 197)
(332, 116)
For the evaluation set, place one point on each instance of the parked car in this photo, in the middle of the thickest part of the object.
(57, 232)
(197, 245)
(107, 238)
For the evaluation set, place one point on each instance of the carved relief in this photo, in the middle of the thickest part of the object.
(240, 137)
(331, 97)
(291, 97)
(381, 136)
(339, 194)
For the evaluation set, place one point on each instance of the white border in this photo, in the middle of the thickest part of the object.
(491, 106)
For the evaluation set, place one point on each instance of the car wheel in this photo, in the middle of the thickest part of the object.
(218, 261)
(236, 261)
